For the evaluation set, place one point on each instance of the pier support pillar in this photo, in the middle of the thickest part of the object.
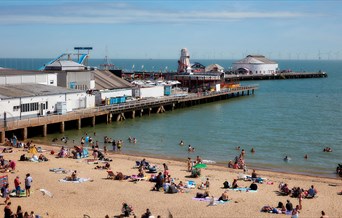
(61, 127)
(24, 133)
(2, 136)
(109, 118)
(253, 91)
(121, 117)
(141, 112)
(133, 114)
(93, 121)
(44, 130)
(248, 92)
(173, 106)
(149, 111)
(243, 93)
(79, 123)
(161, 109)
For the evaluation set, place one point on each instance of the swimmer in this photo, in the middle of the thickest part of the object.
(237, 148)
(287, 158)
(306, 156)
(252, 150)
(181, 143)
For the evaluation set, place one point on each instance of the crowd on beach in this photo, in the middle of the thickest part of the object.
(160, 177)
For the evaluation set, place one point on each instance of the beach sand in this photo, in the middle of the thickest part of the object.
(102, 196)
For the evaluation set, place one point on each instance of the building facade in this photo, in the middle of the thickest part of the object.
(255, 64)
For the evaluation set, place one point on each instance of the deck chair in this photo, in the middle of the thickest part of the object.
(110, 174)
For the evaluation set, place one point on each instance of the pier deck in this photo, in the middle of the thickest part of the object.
(290, 75)
(28, 127)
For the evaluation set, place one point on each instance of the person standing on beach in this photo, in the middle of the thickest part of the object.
(17, 186)
(114, 144)
(28, 181)
(189, 164)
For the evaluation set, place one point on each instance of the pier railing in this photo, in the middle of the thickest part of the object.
(117, 108)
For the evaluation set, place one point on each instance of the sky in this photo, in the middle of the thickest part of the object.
(159, 29)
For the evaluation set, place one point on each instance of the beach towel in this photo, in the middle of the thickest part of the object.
(78, 180)
(22, 193)
(46, 192)
(243, 189)
(208, 199)
(59, 170)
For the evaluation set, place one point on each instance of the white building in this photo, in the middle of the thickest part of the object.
(12, 76)
(255, 64)
(31, 100)
(72, 74)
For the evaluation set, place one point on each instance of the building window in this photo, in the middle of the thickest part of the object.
(51, 82)
(16, 108)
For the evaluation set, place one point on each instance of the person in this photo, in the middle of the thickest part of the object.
(114, 145)
(324, 215)
(7, 211)
(254, 175)
(295, 213)
(202, 195)
(252, 150)
(126, 210)
(105, 149)
(19, 213)
(74, 176)
(224, 196)
(306, 156)
(253, 186)
(32, 214)
(17, 186)
(190, 149)
(286, 158)
(147, 214)
(189, 164)
(289, 206)
(26, 215)
(300, 199)
(207, 183)
(159, 181)
(230, 164)
(312, 192)
(5, 192)
(166, 170)
(235, 185)
(28, 181)
(198, 160)
(181, 143)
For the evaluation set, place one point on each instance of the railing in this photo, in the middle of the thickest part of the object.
(137, 104)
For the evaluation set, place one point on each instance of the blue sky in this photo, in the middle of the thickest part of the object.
(278, 29)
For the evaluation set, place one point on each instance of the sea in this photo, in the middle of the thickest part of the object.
(289, 117)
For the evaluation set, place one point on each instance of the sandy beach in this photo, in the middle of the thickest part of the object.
(101, 196)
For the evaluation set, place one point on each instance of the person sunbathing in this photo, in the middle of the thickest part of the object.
(224, 196)
(202, 195)
(105, 167)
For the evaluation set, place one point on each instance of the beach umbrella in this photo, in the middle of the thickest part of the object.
(200, 166)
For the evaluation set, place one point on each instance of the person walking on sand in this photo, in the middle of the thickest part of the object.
(324, 215)
(28, 181)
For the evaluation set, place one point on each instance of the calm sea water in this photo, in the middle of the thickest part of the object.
(284, 117)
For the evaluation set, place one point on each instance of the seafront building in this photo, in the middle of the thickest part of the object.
(255, 64)
(32, 100)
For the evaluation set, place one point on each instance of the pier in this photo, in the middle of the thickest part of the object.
(289, 75)
(41, 126)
